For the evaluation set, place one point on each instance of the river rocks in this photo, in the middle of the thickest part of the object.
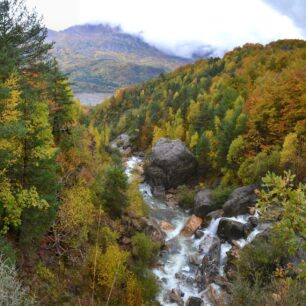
(175, 296)
(229, 230)
(122, 143)
(232, 255)
(210, 264)
(191, 226)
(159, 192)
(152, 229)
(170, 164)
(253, 221)
(198, 234)
(194, 259)
(240, 201)
(171, 200)
(166, 226)
(204, 203)
(194, 301)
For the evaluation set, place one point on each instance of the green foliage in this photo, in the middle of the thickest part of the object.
(75, 217)
(221, 194)
(228, 111)
(280, 192)
(185, 196)
(136, 203)
(143, 248)
(108, 237)
(8, 253)
(110, 188)
(253, 169)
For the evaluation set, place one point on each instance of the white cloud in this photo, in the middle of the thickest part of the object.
(177, 25)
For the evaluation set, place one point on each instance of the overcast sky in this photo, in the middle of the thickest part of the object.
(180, 26)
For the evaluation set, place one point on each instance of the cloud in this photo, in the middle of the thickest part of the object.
(295, 9)
(178, 26)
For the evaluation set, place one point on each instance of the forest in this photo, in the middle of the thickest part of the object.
(74, 229)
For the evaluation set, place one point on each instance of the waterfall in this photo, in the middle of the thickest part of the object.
(175, 270)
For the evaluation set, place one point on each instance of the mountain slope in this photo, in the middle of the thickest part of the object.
(234, 113)
(100, 58)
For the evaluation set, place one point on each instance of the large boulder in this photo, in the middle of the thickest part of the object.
(192, 224)
(240, 201)
(229, 230)
(170, 164)
(204, 203)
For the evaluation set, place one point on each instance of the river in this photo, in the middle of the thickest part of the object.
(176, 270)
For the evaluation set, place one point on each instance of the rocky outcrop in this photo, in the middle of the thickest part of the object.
(191, 226)
(194, 301)
(152, 229)
(204, 203)
(229, 230)
(122, 143)
(210, 265)
(240, 201)
(170, 164)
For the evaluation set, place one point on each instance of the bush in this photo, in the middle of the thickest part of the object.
(143, 248)
(253, 169)
(185, 197)
(221, 194)
(136, 203)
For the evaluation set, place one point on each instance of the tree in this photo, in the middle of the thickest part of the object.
(110, 189)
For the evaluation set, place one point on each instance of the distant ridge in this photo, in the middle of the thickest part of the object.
(102, 58)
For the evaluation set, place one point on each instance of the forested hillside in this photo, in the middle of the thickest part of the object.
(80, 226)
(101, 58)
(64, 201)
(241, 115)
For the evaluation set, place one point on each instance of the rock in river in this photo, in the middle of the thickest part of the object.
(170, 164)
(204, 203)
(240, 201)
(194, 301)
(233, 230)
(191, 226)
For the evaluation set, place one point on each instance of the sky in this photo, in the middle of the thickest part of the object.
(182, 27)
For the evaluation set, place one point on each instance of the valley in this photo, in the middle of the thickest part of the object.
(131, 177)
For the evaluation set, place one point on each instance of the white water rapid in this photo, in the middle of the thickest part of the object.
(175, 269)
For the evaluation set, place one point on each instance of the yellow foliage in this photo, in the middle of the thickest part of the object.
(75, 216)
(135, 198)
(194, 140)
(157, 134)
(111, 266)
(133, 292)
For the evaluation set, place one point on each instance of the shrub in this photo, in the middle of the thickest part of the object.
(143, 248)
(185, 197)
(253, 169)
(221, 194)
(136, 203)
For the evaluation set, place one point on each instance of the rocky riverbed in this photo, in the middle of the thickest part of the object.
(193, 266)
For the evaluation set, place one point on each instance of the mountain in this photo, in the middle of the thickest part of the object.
(234, 113)
(101, 58)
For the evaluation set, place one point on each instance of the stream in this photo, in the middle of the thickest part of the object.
(175, 269)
